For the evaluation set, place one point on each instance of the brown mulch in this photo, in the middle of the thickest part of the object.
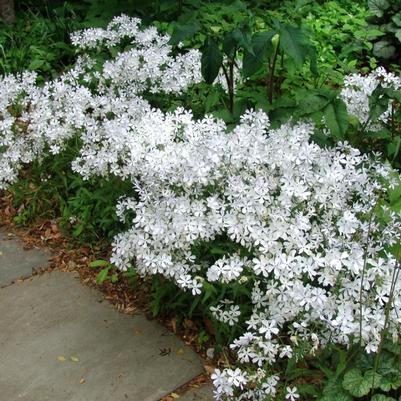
(68, 257)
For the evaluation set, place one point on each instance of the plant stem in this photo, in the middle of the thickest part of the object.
(231, 86)
(270, 81)
(229, 75)
(383, 333)
(363, 276)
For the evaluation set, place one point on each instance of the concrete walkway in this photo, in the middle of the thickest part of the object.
(60, 341)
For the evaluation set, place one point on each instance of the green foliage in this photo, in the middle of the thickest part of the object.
(212, 59)
(85, 209)
(38, 42)
(386, 20)
(360, 376)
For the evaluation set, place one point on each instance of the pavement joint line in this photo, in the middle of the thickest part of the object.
(187, 387)
(21, 279)
(44, 319)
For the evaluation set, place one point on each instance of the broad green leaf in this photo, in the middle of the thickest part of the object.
(397, 19)
(374, 33)
(398, 35)
(231, 42)
(211, 100)
(385, 384)
(295, 44)
(355, 383)
(98, 263)
(393, 148)
(182, 32)
(333, 391)
(235, 39)
(382, 397)
(336, 118)
(337, 396)
(368, 376)
(262, 46)
(378, 103)
(211, 60)
(309, 101)
(378, 7)
(382, 134)
(383, 49)
(102, 275)
(36, 64)
(393, 94)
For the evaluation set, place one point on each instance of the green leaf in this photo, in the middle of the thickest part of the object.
(310, 102)
(333, 391)
(36, 64)
(382, 397)
(232, 42)
(382, 134)
(102, 275)
(98, 263)
(397, 19)
(378, 103)
(261, 46)
(383, 49)
(393, 148)
(393, 94)
(211, 60)
(398, 35)
(374, 33)
(295, 44)
(378, 7)
(211, 100)
(369, 375)
(336, 117)
(355, 383)
(114, 278)
(182, 32)
(235, 39)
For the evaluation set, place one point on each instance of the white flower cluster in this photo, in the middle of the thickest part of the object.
(357, 90)
(36, 119)
(226, 312)
(317, 261)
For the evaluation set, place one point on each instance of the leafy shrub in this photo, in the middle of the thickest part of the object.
(387, 20)
(38, 43)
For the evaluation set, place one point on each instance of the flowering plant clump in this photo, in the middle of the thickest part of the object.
(359, 88)
(87, 99)
(317, 260)
(305, 224)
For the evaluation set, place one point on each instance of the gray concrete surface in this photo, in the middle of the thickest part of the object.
(15, 261)
(202, 393)
(59, 341)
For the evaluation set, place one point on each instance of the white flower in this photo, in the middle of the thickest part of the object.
(292, 394)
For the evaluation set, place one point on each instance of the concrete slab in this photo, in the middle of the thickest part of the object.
(59, 341)
(15, 261)
(203, 393)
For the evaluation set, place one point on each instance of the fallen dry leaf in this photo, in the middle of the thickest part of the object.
(209, 369)
(82, 381)
(61, 358)
(74, 359)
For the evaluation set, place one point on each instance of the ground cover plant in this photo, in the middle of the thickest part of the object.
(283, 229)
